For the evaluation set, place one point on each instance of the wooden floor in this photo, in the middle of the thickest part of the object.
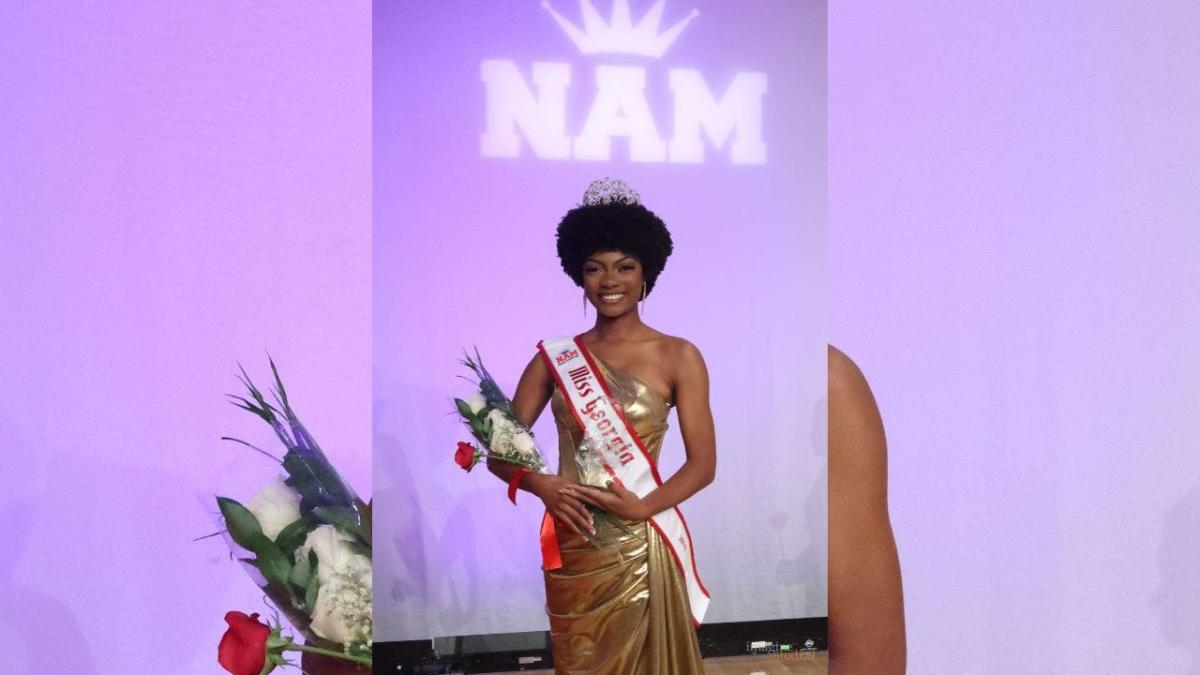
(805, 663)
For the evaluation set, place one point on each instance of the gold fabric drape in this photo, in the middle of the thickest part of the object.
(621, 609)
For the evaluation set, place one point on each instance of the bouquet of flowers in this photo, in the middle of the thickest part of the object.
(489, 414)
(306, 536)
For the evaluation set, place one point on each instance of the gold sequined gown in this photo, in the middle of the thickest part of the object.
(622, 609)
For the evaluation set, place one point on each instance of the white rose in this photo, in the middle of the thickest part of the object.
(342, 611)
(499, 420)
(523, 443)
(275, 507)
(502, 432)
(333, 552)
(476, 402)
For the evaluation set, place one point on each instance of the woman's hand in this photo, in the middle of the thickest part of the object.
(620, 502)
(563, 507)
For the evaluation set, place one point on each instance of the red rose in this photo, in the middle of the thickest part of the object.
(465, 456)
(243, 648)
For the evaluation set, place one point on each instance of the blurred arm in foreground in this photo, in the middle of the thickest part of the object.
(866, 603)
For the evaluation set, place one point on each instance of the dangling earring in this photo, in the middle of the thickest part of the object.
(585, 304)
(642, 309)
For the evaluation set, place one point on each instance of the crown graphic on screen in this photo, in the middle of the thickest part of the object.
(619, 35)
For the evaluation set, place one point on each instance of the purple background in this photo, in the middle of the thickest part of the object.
(181, 186)
(1014, 199)
(464, 255)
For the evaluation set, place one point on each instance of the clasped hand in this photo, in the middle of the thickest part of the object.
(621, 502)
(565, 501)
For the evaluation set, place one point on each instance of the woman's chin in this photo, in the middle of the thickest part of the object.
(615, 311)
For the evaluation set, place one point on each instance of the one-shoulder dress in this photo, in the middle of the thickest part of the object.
(620, 609)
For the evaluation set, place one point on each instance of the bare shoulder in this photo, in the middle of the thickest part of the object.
(537, 372)
(680, 352)
(537, 364)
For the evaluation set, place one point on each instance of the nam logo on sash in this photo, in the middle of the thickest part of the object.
(527, 105)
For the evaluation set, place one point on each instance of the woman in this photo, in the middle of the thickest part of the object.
(621, 608)
(866, 604)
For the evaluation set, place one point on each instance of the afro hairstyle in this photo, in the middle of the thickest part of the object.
(629, 228)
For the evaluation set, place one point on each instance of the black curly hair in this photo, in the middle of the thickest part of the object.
(629, 228)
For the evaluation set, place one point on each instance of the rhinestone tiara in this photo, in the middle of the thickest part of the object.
(610, 191)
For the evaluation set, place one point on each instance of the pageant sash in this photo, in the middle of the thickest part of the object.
(622, 451)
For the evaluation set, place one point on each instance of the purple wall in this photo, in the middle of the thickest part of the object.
(181, 186)
(1014, 199)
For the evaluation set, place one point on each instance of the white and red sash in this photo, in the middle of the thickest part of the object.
(622, 451)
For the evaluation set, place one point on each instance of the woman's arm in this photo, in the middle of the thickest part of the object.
(533, 392)
(866, 604)
(699, 442)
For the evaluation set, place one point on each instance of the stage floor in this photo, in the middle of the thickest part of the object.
(805, 663)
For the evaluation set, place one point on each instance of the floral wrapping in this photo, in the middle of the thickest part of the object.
(305, 537)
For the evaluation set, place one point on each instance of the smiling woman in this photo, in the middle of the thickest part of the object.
(628, 606)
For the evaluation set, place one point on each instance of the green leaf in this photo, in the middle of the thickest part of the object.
(464, 409)
(274, 565)
(279, 384)
(247, 405)
(316, 480)
(251, 446)
(244, 529)
(340, 516)
(301, 571)
(347, 520)
(242, 525)
(254, 392)
(310, 592)
(291, 537)
(479, 429)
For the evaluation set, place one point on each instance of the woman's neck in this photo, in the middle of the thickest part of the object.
(628, 326)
